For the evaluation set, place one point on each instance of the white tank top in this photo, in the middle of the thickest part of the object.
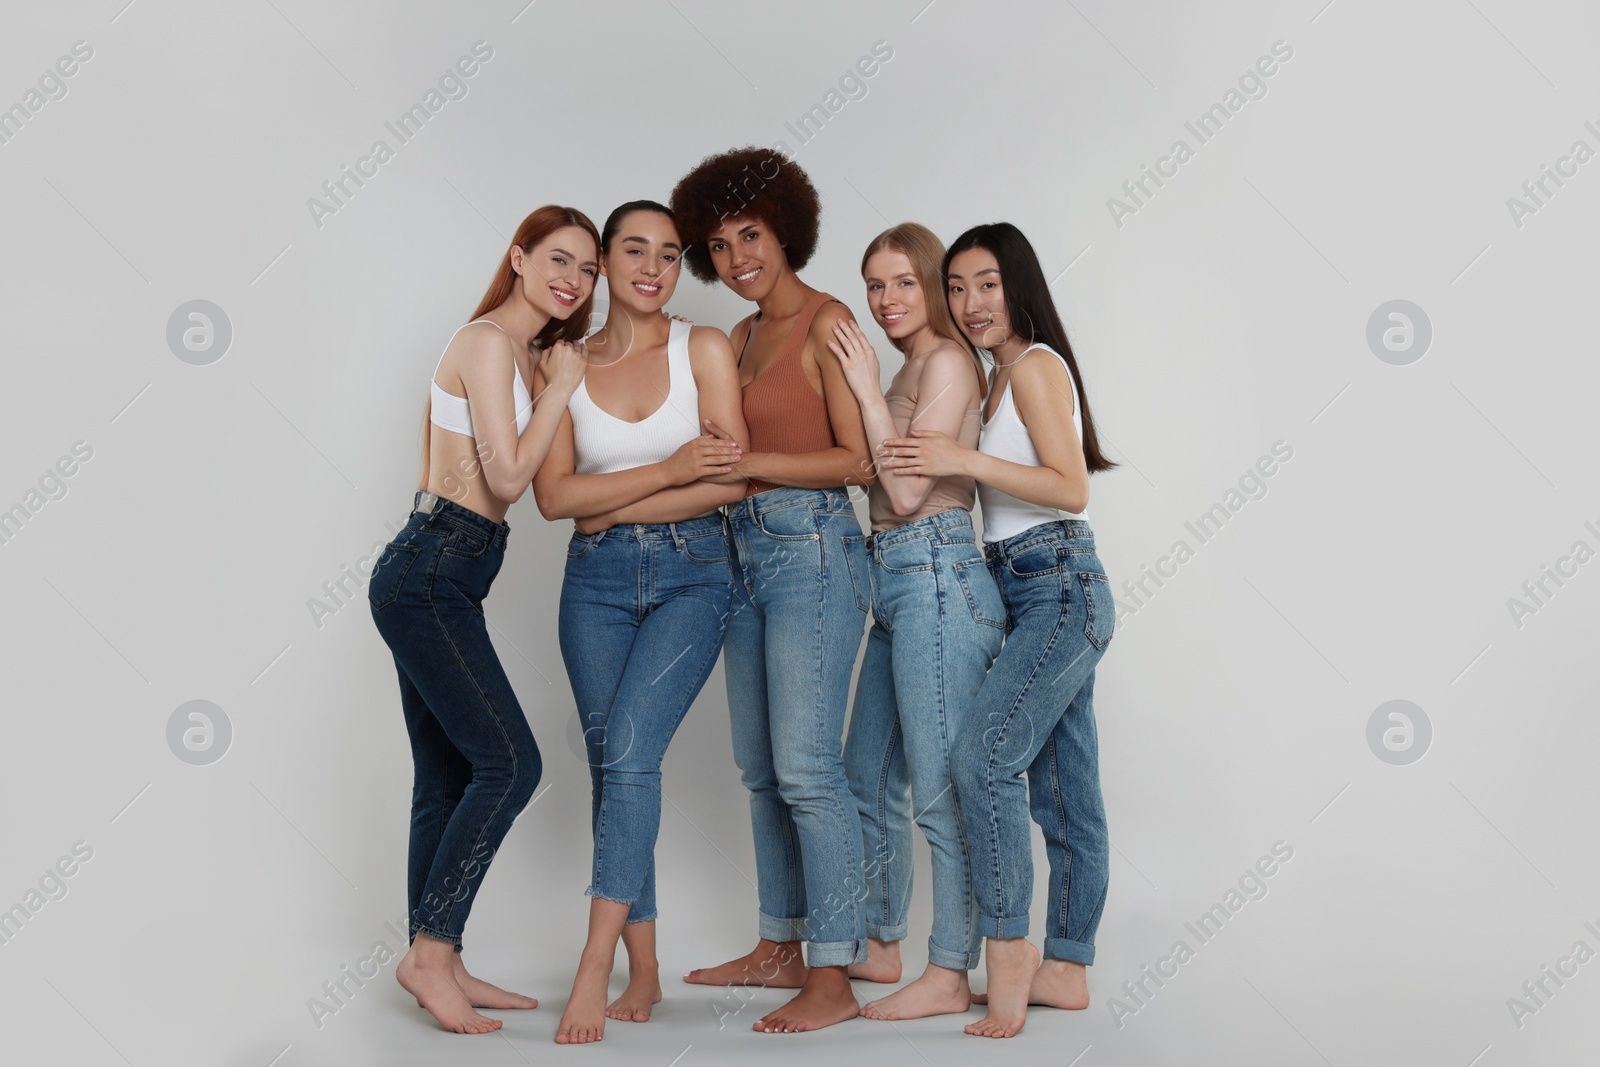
(451, 412)
(603, 443)
(1005, 437)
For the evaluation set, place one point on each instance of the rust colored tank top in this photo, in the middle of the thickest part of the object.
(782, 410)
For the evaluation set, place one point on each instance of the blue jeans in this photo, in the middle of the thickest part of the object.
(475, 761)
(937, 622)
(642, 613)
(1035, 713)
(799, 607)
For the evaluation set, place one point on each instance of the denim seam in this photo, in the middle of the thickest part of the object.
(946, 740)
(883, 820)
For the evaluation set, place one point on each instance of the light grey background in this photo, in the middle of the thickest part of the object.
(1229, 313)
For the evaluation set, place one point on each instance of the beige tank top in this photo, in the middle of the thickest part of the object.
(951, 491)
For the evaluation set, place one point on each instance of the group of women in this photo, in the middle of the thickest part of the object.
(708, 479)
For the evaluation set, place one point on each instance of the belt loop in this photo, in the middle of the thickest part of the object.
(677, 538)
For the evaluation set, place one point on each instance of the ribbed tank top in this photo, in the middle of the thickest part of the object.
(782, 410)
(1005, 437)
(951, 491)
(603, 443)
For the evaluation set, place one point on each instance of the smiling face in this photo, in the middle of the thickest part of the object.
(977, 301)
(898, 301)
(643, 263)
(747, 256)
(558, 273)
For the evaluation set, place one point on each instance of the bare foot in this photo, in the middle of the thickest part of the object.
(585, 1018)
(1056, 984)
(940, 991)
(1011, 963)
(642, 994)
(883, 962)
(427, 975)
(776, 964)
(825, 999)
(481, 994)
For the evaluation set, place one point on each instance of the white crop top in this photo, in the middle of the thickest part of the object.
(603, 443)
(451, 412)
(1005, 437)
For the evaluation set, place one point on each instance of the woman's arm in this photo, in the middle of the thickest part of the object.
(716, 378)
(1042, 392)
(485, 362)
(847, 463)
(946, 388)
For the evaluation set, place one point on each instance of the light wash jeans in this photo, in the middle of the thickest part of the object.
(937, 624)
(1035, 713)
(642, 613)
(799, 607)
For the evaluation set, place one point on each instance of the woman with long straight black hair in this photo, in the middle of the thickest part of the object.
(1035, 710)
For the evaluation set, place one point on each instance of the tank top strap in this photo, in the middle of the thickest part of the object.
(795, 343)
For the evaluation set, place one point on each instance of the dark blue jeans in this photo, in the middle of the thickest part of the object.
(475, 760)
(1034, 713)
(642, 612)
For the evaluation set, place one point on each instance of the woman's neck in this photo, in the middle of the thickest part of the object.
(1009, 351)
(922, 342)
(521, 321)
(626, 329)
(788, 296)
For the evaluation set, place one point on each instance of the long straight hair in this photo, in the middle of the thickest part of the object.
(539, 224)
(926, 252)
(1030, 309)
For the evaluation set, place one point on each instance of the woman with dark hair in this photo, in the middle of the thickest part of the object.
(750, 218)
(936, 625)
(1035, 710)
(647, 582)
(475, 760)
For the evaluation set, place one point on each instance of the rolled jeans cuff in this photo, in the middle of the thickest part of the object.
(955, 961)
(836, 953)
(1061, 948)
(885, 932)
(1003, 927)
(773, 928)
(437, 935)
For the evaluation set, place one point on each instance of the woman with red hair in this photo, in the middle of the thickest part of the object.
(476, 764)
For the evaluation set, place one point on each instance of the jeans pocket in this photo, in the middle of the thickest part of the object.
(383, 589)
(580, 545)
(1101, 618)
(1036, 561)
(981, 593)
(792, 522)
(706, 548)
(467, 543)
(855, 558)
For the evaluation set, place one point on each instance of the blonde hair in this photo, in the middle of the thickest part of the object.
(926, 252)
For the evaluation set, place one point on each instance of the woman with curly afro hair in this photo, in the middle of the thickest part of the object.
(749, 217)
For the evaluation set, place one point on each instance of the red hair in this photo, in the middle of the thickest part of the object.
(535, 228)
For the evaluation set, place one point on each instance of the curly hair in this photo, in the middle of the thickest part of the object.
(746, 182)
